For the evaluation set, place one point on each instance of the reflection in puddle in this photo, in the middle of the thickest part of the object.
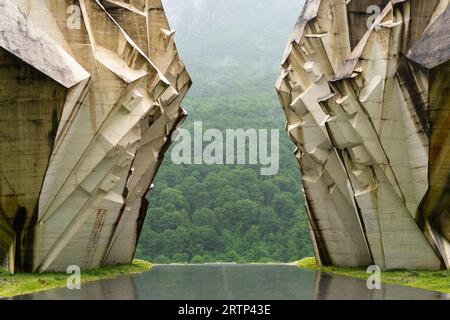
(233, 282)
(332, 287)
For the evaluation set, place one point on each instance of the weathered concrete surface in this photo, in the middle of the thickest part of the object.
(367, 107)
(7, 243)
(87, 107)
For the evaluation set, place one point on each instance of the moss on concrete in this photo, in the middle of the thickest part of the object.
(18, 284)
(428, 280)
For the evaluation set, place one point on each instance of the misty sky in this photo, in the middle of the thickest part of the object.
(246, 37)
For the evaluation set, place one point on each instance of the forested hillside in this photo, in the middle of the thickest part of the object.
(202, 213)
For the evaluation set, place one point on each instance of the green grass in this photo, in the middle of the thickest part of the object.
(428, 280)
(17, 284)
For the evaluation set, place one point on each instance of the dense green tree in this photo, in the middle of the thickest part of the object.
(161, 259)
(269, 190)
(204, 217)
(172, 197)
(269, 221)
(198, 259)
(285, 205)
(210, 213)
